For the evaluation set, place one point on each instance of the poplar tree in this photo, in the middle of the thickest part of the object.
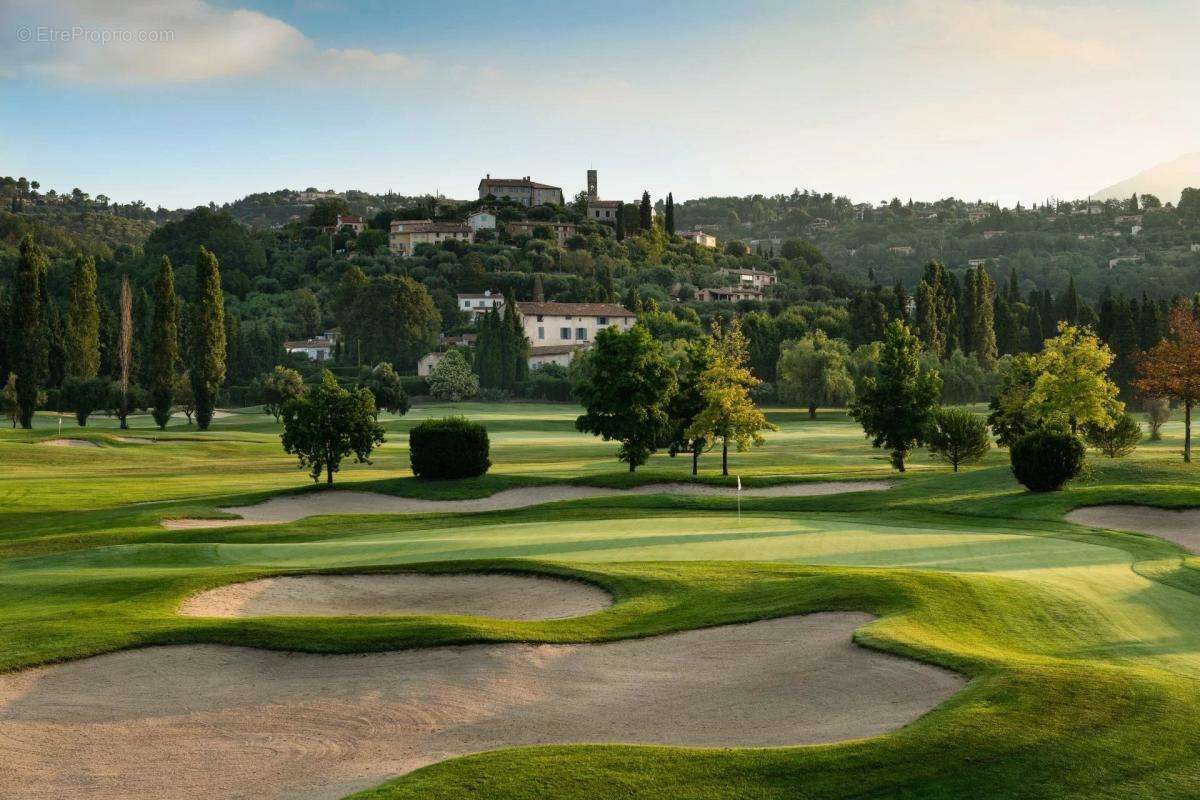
(164, 344)
(208, 338)
(82, 340)
(29, 328)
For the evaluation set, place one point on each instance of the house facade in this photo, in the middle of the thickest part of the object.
(571, 323)
(729, 294)
(560, 354)
(481, 220)
(477, 305)
(750, 278)
(701, 238)
(318, 349)
(404, 236)
(351, 221)
(561, 230)
(527, 192)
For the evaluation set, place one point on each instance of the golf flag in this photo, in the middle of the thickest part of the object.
(739, 477)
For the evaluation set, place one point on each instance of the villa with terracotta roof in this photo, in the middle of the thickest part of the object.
(405, 235)
(571, 323)
(520, 190)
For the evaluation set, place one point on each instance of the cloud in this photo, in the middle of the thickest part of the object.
(174, 41)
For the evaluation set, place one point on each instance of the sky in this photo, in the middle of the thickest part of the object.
(183, 102)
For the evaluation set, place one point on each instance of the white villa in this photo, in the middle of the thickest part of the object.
(571, 323)
(319, 348)
(701, 238)
(405, 235)
(479, 304)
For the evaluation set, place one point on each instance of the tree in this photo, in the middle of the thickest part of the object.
(123, 395)
(669, 218)
(393, 319)
(163, 353)
(385, 386)
(9, 405)
(278, 387)
(959, 437)
(30, 342)
(207, 369)
(1172, 369)
(619, 230)
(937, 310)
(645, 213)
(85, 395)
(1072, 387)
(624, 392)
(1009, 416)
(1116, 440)
(982, 317)
(452, 378)
(814, 371)
(82, 339)
(328, 424)
(183, 395)
(896, 409)
(687, 402)
(729, 414)
(1158, 412)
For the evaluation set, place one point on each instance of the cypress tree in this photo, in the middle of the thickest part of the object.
(968, 305)
(1150, 323)
(1069, 305)
(1013, 290)
(82, 339)
(518, 345)
(645, 213)
(670, 215)
(29, 328)
(983, 318)
(208, 338)
(620, 229)
(164, 344)
(489, 350)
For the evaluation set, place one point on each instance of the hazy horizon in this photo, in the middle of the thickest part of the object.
(997, 100)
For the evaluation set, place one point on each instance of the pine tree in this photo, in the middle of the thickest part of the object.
(539, 292)
(670, 215)
(82, 337)
(207, 362)
(645, 213)
(29, 328)
(164, 344)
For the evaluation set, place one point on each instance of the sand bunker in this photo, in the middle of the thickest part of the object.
(289, 509)
(224, 722)
(484, 595)
(1179, 526)
(68, 443)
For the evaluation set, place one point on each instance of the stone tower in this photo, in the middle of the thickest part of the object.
(593, 193)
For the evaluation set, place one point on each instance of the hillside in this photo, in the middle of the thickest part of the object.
(1165, 181)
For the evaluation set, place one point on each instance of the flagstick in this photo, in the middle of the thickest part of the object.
(739, 497)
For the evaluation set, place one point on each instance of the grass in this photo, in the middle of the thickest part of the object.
(1083, 646)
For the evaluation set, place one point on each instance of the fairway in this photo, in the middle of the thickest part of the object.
(940, 636)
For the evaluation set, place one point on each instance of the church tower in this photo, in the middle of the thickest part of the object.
(593, 193)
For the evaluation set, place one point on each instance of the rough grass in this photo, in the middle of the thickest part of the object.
(1083, 646)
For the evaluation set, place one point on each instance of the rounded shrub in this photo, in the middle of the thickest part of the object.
(453, 447)
(1046, 459)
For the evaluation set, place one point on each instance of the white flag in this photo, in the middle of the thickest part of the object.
(739, 477)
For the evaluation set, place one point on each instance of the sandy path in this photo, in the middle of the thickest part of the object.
(1181, 526)
(223, 722)
(68, 443)
(289, 509)
(488, 595)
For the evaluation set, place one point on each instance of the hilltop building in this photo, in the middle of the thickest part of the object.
(597, 209)
(520, 190)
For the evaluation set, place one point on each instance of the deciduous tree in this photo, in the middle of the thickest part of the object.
(1172, 369)
(452, 378)
(1072, 387)
(279, 386)
(815, 371)
(328, 424)
(729, 414)
(625, 391)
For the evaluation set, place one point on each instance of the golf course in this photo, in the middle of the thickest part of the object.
(186, 615)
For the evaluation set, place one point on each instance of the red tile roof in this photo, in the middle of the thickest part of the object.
(574, 309)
